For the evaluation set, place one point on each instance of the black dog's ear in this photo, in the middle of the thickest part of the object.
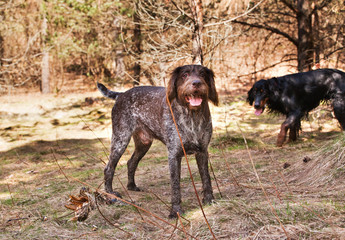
(171, 88)
(250, 97)
(212, 94)
(273, 84)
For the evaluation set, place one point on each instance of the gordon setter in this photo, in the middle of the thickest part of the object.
(296, 94)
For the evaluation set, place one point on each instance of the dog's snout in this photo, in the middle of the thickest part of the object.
(196, 83)
(256, 105)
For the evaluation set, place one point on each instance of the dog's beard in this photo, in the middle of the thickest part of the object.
(193, 98)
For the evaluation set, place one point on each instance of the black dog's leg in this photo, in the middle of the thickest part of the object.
(291, 122)
(339, 110)
(292, 134)
(282, 134)
(202, 161)
(294, 130)
(175, 174)
(142, 145)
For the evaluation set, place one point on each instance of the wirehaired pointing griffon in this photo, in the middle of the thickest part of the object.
(143, 112)
(296, 94)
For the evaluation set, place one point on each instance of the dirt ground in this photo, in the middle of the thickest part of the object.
(52, 146)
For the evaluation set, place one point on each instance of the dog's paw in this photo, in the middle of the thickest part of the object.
(133, 187)
(280, 141)
(113, 199)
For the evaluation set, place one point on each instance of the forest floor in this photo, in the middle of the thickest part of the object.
(52, 146)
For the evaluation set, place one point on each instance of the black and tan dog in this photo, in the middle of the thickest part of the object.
(296, 94)
(143, 112)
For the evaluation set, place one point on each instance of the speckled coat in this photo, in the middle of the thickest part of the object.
(143, 113)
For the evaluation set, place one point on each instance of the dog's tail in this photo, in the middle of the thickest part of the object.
(106, 92)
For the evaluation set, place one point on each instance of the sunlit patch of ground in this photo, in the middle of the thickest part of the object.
(47, 142)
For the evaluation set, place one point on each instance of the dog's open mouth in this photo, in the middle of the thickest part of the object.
(259, 111)
(194, 100)
(260, 107)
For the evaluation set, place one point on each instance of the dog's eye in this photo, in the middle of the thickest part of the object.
(185, 75)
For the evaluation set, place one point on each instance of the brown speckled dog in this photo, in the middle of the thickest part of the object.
(143, 112)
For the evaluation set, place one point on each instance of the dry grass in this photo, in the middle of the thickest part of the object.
(37, 132)
(324, 168)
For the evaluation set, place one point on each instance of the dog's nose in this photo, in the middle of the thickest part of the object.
(196, 83)
(257, 104)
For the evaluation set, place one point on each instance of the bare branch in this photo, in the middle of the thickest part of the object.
(289, 5)
(237, 17)
(323, 4)
(271, 29)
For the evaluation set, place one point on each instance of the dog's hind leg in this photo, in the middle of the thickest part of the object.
(143, 142)
(119, 143)
(339, 110)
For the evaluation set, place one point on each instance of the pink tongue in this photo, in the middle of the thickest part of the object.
(195, 101)
(258, 112)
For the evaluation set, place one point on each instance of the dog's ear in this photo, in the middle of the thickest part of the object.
(250, 97)
(212, 94)
(171, 88)
(273, 85)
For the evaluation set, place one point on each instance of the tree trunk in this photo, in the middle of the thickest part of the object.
(316, 29)
(45, 88)
(197, 53)
(137, 48)
(1, 51)
(119, 63)
(305, 47)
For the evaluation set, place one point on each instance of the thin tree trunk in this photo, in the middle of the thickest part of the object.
(137, 48)
(119, 64)
(316, 28)
(2, 51)
(45, 88)
(197, 53)
(305, 47)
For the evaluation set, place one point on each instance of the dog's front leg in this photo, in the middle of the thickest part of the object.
(175, 174)
(202, 161)
(282, 134)
(291, 122)
(294, 130)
